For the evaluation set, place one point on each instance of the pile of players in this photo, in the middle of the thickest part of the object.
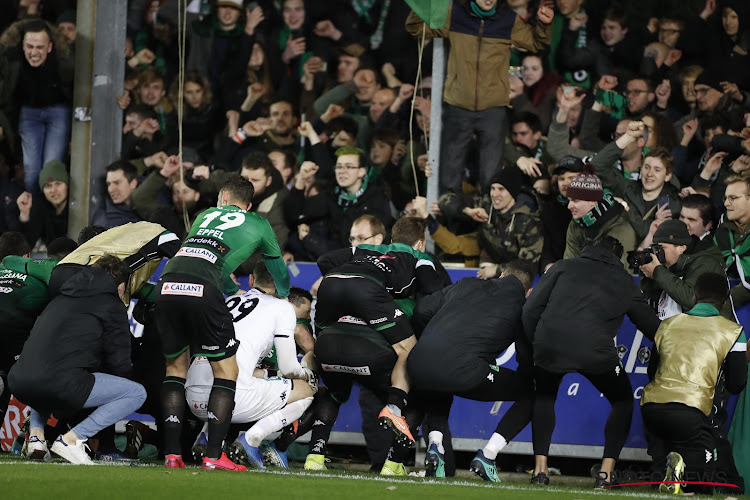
(373, 303)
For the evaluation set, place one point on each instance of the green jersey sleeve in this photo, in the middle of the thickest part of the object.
(40, 270)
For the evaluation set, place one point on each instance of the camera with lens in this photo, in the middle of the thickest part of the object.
(636, 258)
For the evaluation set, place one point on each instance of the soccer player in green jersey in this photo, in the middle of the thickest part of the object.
(193, 319)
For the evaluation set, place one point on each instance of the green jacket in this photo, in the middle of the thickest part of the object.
(641, 212)
(617, 227)
(679, 280)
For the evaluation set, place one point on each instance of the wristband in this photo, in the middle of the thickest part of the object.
(240, 136)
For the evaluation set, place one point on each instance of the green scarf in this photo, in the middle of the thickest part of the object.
(377, 37)
(284, 35)
(741, 252)
(346, 200)
(703, 310)
(597, 213)
(484, 14)
(362, 8)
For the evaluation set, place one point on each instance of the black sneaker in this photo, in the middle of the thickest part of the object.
(540, 478)
(602, 481)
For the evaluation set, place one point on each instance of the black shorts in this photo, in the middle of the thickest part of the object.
(365, 299)
(192, 314)
(347, 358)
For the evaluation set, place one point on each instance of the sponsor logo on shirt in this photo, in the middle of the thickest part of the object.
(209, 347)
(354, 370)
(351, 319)
(6, 289)
(188, 289)
(200, 253)
(217, 246)
(379, 320)
(13, 276)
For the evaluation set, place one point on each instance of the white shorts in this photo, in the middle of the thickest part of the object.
(263, 397)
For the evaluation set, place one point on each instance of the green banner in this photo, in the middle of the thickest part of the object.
(432, 12)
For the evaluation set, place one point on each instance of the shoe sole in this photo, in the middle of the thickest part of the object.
(39, 455)
(133, 435)
(238, 455)
(675, 469)
(478, 468)
(273, 458)
(433, 466)
(401, 438)
(63, 452)
(199, 452)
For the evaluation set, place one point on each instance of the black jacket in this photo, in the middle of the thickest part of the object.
(492, 308)
(83, 330)
(576, 308)
(325, 207)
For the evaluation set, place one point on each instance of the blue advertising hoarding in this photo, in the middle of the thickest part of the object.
(581, 410)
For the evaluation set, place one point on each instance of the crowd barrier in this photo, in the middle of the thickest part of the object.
(581, 410)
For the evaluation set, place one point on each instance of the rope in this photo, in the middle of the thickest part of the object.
(420, 45)
(181, 39)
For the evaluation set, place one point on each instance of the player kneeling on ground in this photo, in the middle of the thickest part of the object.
(262, 322)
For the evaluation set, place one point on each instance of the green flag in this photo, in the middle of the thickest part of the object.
(433, 12)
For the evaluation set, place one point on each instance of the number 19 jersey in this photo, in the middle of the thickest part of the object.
(219, 241)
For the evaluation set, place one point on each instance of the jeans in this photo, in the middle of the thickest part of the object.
(114, 399)
(45, 135)
(459, 126)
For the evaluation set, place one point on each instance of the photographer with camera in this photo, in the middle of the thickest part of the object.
(672, 264)
(671, 267)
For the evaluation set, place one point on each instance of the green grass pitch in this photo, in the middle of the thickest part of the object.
(57, 481)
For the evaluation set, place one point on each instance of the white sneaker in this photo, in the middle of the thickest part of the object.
(36, 449)
(75, 454)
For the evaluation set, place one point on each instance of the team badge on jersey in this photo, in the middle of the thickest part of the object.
(188, 289)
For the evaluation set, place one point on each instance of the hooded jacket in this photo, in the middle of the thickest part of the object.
(445, 315)
(576, 309)
(83, 330)
(476, 77)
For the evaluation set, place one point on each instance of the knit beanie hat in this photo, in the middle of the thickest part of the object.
(510, 178)
(709, 77)
(66, 16)
(672, 231)
(586, 186)
(53, 170)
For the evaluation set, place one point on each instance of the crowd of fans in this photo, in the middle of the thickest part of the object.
(600, 118)
(278, 91)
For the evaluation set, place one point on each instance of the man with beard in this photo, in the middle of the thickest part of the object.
(277, 132)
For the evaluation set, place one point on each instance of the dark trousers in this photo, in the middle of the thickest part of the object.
(689, 432)
(613, 384)
(459, 126)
